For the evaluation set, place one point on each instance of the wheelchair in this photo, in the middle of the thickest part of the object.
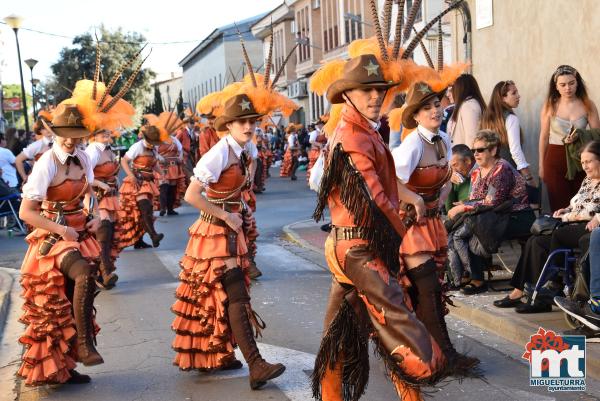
(576, 275)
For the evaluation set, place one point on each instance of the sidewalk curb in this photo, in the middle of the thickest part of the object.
(6, 283)
(516, 332)
(293, 236)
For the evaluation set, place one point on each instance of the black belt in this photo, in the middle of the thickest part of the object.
(347, 233)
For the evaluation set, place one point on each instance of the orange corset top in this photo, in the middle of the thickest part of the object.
(228, 190)
(106, 171)
(428, 181)
(68, 197)
(145, 165)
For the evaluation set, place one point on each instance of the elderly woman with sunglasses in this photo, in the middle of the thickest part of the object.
(493, 182)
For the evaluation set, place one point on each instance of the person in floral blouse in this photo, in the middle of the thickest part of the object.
(493, 182)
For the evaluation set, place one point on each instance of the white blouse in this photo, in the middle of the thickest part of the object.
(94, 151)
(138, 148)
(36, 147)
(408, 155)
(212, 163)
(45, 169)
(514, 141)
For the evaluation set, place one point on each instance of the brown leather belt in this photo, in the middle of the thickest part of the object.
(347, 233)
(209, 218)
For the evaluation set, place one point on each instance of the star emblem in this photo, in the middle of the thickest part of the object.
(372, 69)
(244, 105)
(424, 89)
(72, 119)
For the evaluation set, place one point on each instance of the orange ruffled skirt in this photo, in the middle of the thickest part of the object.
(130, 218)
(286, 164)
(49, 337)
(313, 155)
(203, 337)
(430, 237)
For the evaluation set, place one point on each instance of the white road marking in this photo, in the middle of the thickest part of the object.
(170, 259)
(294, 382)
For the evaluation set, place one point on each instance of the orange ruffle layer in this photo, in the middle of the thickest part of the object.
(286, 164)
(50, 331)
(130, 218)
(429, 237)
(313, 155)
(202, 334)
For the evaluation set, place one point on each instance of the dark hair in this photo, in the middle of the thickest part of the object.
(592, 147)
(494, 116)
(465, 87)
(463, 151)
(554, 95)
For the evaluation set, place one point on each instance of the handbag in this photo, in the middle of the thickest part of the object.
(545, 225)
(316, 173)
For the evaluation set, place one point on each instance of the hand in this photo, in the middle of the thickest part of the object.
(557, 214)
(456, 210)
(93, 224)
(457, 178)
(541, 172)
(420, 209)
(70, 234)
(592, 224)
(234, 221)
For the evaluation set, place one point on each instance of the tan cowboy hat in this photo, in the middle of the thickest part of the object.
(67, 122)
(152, 135)
(418, 95)
(360, 72)
(236, 108)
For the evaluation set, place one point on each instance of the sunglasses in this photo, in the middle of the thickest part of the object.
(480, 150)
(506, 84)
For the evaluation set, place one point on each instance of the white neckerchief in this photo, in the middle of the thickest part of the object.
(62, 156)
(426, 134)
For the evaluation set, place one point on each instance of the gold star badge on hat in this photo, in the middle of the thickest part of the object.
(72, 119)
(372, 69)
(424, 89)
(244, 105)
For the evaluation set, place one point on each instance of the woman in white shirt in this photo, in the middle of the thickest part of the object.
(212, 308)
(500, 118)
(469, 106)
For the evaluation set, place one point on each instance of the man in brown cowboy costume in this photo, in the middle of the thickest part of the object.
(366, 300)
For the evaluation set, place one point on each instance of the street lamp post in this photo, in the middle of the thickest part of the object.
(34, 91)
(15, 23)
(31, 63)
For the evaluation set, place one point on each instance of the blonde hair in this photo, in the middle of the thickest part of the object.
(490, 138)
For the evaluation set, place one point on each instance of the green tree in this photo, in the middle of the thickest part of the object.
(79, 61)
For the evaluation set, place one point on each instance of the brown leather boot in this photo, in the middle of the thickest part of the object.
(104, 235)
(430, 311)
(253, 271)
(83, 307)
(241, 320)
(147, 211)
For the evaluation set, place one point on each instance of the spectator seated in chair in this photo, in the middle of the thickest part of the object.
(497, 208)
(462, 163)
(576, 221)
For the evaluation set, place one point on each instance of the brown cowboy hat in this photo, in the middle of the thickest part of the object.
(236, 108)
(67, 122)
(152, 135)
(360, 72)
(418, 95)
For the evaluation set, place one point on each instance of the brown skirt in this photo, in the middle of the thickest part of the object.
(560, 190)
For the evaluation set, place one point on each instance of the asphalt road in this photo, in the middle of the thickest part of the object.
(290, 296)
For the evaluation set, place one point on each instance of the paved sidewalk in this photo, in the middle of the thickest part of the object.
(477, 310)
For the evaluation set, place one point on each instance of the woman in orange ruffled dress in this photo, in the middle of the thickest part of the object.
(290, 157)
(172, 182)
(423, 170)
(213, 306)
(58, 271)
(139, 189)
